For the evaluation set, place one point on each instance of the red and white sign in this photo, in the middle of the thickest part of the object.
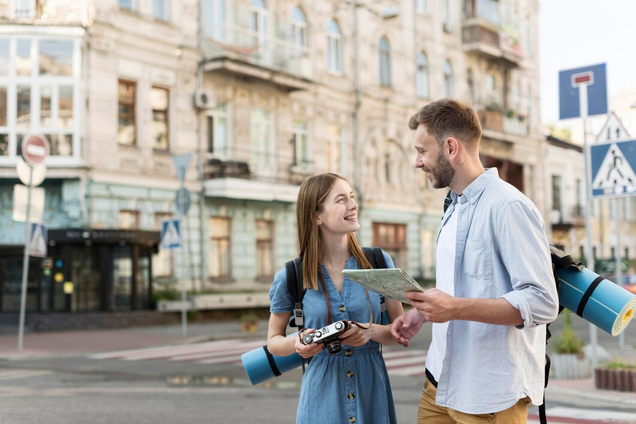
(35, 149)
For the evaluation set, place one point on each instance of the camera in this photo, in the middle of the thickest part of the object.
(328, 336)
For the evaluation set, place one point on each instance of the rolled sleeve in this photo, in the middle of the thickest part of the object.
(279, 298)
(526, 255)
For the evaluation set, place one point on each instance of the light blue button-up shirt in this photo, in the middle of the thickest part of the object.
(501, 251)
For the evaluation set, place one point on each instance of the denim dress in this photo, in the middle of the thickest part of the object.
(353, 385)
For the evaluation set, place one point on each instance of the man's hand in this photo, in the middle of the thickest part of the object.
(434, 305)
(406, 326)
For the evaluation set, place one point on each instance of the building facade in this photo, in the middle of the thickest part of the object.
(261, 94)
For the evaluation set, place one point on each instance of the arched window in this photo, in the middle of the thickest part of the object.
(421, 76)
(334, 47)
(470, 82)
(385, 62)
(299, 27)
(448, 80)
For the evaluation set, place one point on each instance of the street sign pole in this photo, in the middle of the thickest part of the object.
(25, 265)
(588, 212)
(184, 312)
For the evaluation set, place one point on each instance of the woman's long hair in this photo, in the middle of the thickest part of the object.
(313, 193)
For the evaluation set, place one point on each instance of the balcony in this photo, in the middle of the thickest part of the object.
(244, 173)
(491, 120)
(515, 125)
(573, 217)
(484, 38)
(239, 50)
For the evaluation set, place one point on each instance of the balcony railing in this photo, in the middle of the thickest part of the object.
(491, 119)
(568, 217)
(489, 39)
(246, 45)
(515, 126)
(250, 164)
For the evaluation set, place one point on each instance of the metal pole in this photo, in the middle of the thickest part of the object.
(184, 313)
(619, 271)
(588, 210)
(25, 264)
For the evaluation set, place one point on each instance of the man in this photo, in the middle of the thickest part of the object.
(495, 288)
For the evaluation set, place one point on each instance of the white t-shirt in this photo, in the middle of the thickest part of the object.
(444, 275)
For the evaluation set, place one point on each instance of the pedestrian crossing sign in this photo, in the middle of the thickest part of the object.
(171, 233)
(37, 240)
(613, 166)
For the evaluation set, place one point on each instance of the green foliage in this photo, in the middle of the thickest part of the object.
(568, 341)
(510, 113)
(248, 318)
(165, 290)
(617, 364)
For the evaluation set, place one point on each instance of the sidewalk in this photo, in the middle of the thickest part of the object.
(580, 392)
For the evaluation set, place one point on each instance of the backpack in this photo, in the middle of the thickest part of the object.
(560, 260)
(294, 273)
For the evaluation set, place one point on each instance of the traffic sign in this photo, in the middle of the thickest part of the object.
(613, 130)
(613, 166)
(181, 163)
(593, 80)
(171, 233)
(26, 172)
(35, 149)
(21, 200)
(37, 241)
(182, 201)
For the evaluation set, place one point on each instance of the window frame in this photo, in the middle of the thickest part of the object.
(220, 112)
(228, 238)
(334, 48)
(166, 8)
(166, 111)
(422, 80)
(449, 79)
(302, 158)
(133, 113)
(384, 56)
(263, 274)
(29, 7)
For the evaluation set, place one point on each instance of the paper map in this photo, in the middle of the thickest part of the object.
(391, 282)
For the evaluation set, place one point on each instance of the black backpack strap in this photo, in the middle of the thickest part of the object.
(294, 271)
(376, 259)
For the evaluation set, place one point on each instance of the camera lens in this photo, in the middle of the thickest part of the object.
(333, 346)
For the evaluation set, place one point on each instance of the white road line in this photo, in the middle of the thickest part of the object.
(15, 374)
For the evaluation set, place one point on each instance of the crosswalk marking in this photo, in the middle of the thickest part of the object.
(19, 373)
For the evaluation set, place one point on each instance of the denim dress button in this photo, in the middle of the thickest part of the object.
(349, 374)
(352, 419)
(348, 352)
(342, 308)
(351, 396)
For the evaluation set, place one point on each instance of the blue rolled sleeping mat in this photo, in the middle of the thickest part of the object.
(260, 365)
(595, 299)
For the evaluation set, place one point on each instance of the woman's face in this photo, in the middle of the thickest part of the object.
(339, 213)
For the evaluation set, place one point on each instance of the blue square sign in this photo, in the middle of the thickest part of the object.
(613, 169)
(592, 79)
(171, 233)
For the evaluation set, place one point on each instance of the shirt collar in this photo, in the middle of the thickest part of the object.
(477, 187)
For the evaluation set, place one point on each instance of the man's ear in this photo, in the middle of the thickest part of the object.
(452, 147)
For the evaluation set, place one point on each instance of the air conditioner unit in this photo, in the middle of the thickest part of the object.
(204, 99)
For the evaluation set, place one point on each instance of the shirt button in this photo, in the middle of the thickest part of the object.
(352, 419)
(349, 374)
(348, 353)
(342, 308)
(351, 396)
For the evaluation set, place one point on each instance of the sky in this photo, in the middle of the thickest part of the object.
(576, 33)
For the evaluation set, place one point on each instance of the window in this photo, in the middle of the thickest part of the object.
(24, 8)
(129, 220)
(219, 247)
(492, 93)
(160, 9)
(448, 80)
(556, 193)
(262, 139)
(420, 6)
(299, 28)
(264, 248)
(159, 100)
(385, 62)
(421, 76)
(128, 4)
(162, 262)
(489, 10)
(334, 144)
(392, 239)
(527, 36)
(302, 153)
(578, 198)
(216, 19)
(39, 86)
(127, 128)
(258, 22)
(334, 47)
(218, 132)
(446, 15)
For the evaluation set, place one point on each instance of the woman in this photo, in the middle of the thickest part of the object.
(353, 385)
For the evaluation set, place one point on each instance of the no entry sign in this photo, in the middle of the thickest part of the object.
(35, 149)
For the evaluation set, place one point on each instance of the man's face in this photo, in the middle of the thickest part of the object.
(432, 160)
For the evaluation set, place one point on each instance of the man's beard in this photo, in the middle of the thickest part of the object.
(442, 172)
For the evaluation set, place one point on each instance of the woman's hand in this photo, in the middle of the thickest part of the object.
(307, 351)
(355, 336)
